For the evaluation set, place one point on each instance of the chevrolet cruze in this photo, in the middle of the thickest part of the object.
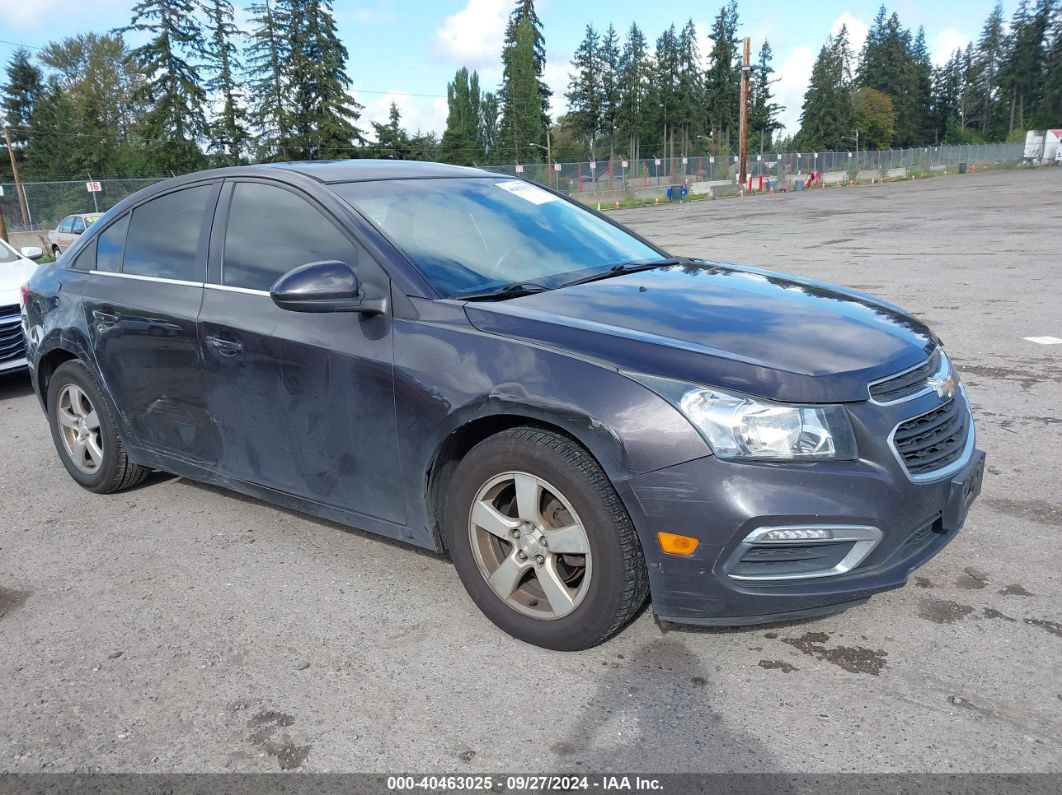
(474, 364)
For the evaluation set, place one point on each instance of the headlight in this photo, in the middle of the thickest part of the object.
(738, 426)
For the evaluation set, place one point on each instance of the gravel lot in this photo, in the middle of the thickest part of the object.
(177, 627)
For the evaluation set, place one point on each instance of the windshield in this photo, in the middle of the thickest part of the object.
(473, 235)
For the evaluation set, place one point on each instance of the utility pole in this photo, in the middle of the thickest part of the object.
(743, 129)
(18, 182)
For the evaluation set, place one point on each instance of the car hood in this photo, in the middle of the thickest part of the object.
(753, 331)
(12, 276)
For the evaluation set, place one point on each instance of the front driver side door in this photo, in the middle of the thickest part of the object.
(303, 403)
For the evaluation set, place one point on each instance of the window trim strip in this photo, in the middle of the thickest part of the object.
(156, 279)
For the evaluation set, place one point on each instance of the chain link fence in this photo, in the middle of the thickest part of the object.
(604, 180)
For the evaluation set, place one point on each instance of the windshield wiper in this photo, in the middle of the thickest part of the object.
(621, 268)
(514, 290)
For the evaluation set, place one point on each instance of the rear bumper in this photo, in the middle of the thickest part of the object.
(721, 503)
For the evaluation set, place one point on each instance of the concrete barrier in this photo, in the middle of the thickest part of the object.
(896, 173)
(868, 174)
(20, 239)
(834, 177)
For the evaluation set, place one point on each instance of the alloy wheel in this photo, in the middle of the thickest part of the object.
(79, 427)
(530, 545)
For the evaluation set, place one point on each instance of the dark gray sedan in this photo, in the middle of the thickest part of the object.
(474, 364)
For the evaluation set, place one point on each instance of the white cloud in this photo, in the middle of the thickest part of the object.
(946, 43)
(793, 77)
(418, 112)
(19, 12)
(857, 30)
(555, 75)
(473, 36)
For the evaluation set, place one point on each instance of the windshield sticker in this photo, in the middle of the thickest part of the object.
(527, 191)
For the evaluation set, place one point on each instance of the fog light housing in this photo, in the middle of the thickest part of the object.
(798, 534)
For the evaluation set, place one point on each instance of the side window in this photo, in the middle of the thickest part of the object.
(109, 246)
(79, 226)
(272, 230)
(164, 235)
(66, 225)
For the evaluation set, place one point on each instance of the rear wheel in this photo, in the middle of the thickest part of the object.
(542, 542)
(85, 433)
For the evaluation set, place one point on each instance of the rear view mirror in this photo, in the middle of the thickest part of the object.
(32, 252)
(328, 286)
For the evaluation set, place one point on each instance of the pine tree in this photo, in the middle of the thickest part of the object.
(826, 116)
(522, 120)
(525, 9)
(1022, 72)
(1049, 114)
(763, 113)
(461, 142)
(49, 153)
(722, 85)
(172, 87)
(489, 114)
(921, 104)
(228, 132)
(689, 109)
(392, 142)
(665, 89)
(609, 59)
(634, 77)
(324, 116)
(20, 95)
(584, 90)
(899, 67)
(947, 100)
(267, 56)
(987, 62)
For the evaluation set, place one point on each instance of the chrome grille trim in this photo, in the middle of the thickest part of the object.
(904, 385)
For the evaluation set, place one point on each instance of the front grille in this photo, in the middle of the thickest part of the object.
(933, 440)
(790, 560)
(12, 345)
(905, 384)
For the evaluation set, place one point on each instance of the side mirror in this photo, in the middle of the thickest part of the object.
(32, 252)
(328, 286)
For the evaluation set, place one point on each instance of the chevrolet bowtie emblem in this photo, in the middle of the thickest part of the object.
(944, 387)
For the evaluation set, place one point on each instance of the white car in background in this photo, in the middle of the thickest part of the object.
(15, 269)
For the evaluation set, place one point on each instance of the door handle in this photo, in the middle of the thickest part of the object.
(224, 347)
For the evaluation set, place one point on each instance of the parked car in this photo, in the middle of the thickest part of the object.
(15, 269)
(468, 362)
(68, 231)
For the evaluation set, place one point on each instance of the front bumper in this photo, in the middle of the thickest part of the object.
(721, 503)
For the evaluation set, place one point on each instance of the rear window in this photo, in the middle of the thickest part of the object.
(109, 246)
(163, 237)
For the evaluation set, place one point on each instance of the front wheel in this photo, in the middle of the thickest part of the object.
(542, 542)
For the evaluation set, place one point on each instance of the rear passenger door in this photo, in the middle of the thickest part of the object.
(304, 402)
(142, 297)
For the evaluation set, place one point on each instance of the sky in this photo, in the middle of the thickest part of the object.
(406, 50)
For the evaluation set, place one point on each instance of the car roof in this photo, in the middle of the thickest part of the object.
(367, 170)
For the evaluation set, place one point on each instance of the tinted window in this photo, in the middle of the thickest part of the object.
(79, 226)
(468, 235)
(109, 246)
(67, 224)
(271, 231)
(164, 235)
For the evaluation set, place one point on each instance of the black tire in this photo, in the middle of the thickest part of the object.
(619, 583)
(116, 472)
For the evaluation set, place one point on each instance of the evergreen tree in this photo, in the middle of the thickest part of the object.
(609, 58)
(826, 116)
(899, 67)
(921, 104)
(665, 89)
(392, 142)
(632, 113)
(461, 142)
(228, 132)
(987, 61)
(323, 114)
(175, 123)
(584, 90)
(1049, 114)
(763, 113)
(522, 120)
(20, 95)
(49, 155)
(525, 9)
(947, 100)
(689, 107)
(267, 57)
(1022, 72)
(722, 85)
